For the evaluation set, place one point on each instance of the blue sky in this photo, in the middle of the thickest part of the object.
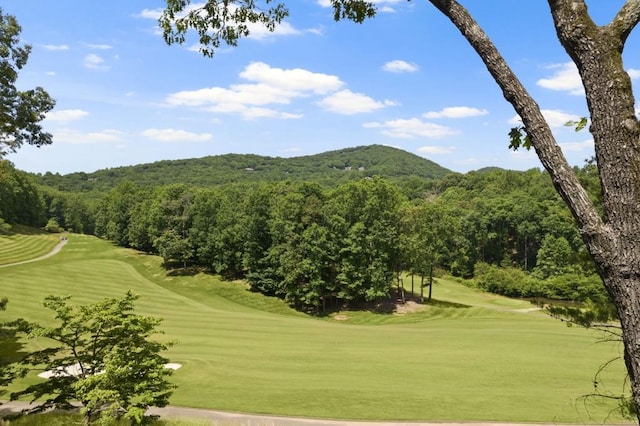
(405, 79)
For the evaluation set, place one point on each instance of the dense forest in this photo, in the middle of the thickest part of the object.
(329, 241)
(328, 169)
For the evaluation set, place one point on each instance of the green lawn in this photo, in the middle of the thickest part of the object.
(24, 244)
(469, 357)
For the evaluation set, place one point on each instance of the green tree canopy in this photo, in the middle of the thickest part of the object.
(102, 357)
(20, 111)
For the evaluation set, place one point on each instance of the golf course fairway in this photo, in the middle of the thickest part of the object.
(469, 356)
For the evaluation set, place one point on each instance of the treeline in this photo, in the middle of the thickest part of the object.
(313, 246)
(329, 169)
(24, 202)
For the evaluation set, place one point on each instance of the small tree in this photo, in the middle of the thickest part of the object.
(102, 359)
(20, 111)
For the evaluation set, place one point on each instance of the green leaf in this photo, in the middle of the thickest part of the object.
(518, 137)
(579, 125)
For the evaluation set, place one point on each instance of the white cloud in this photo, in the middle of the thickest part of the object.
(259, 32)
(386, 9)
(558, 118)
(66, 115)
(296, 79)
(98, 46)
(173, 135)
(411, 128)
(555, 118)
(151, 14)
(233, 98)
(268, 86)
(94, 62)
(54, 47)
(456, 112)
(436, 150)
(348, 103)
(398, 66)
(565, 79)
(577, 146)
(257, 112)
(633, 73)
(76, 137)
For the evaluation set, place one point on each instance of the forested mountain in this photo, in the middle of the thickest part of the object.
(329, 169)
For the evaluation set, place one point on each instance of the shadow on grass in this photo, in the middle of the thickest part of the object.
(22, 230)
(11, 351)
(389, 306)
(175, 269)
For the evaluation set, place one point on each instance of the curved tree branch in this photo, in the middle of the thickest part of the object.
(626, 19)
(536, 126)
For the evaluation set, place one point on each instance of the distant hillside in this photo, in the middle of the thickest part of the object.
(328, 168)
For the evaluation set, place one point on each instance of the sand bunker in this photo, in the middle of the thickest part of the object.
(74, 370)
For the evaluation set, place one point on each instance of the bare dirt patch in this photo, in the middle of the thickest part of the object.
(408, 307)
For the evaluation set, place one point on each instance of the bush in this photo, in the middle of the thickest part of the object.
(53, 226)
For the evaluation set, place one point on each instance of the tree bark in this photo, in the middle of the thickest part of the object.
(613, 241)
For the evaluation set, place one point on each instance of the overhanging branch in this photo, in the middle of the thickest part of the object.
(536, 126)
(626, 19)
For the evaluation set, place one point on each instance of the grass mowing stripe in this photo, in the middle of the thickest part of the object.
(484, 363)
(18, 247)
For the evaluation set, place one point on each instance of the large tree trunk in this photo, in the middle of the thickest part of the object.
(613, 241)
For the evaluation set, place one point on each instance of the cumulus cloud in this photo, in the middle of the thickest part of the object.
(76, 137)
(94, 62)
(555, 118)
(565, 78)
(398, 66)
(173, 135)
(98, 46)
(151, 14)
(412, 128)
(349, 103)
(586, 145)
(54, 47)
(296, 79)
(272, 86)
(267, 86)
(436, 150)
(66, 115)
(634, 74)
(456, 112)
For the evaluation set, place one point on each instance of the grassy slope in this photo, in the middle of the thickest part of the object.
(24, 244)
(243, 352)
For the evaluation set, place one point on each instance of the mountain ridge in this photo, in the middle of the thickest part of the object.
(330, 167)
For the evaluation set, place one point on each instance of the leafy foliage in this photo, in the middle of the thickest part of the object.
(217, 22)
(328, 169)
(102, 358)
(20, 111)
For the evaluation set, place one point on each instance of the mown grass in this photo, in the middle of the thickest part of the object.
(66, 419)
(24, 243)
(469, 357)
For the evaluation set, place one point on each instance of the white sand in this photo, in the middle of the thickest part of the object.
(74, 370)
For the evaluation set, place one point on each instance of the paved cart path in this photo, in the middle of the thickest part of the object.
(53, 252)
(242, 419)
